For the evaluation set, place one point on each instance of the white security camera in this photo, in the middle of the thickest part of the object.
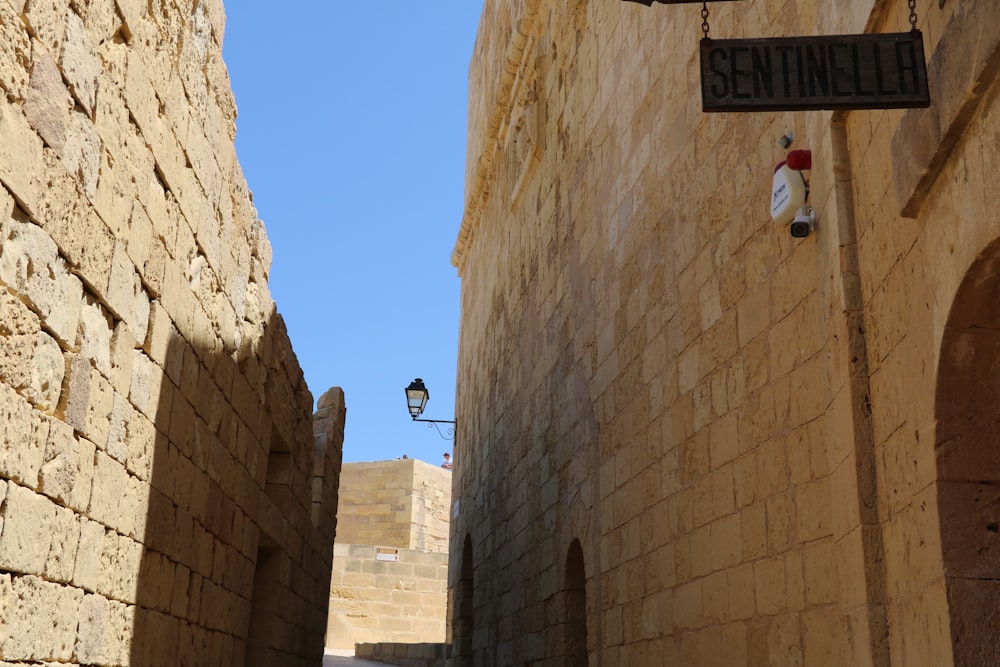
(789, 192)
(803, 223)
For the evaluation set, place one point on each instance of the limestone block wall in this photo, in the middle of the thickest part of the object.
(401, 503)
(374, 600)
(685, 437)
(403, 506)
(163, 500)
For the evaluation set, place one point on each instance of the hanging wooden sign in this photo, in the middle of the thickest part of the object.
(871, 71)
(649, 3)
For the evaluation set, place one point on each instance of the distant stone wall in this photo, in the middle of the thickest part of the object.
(402, 503)
(398, 505)
(162, 496)
(373, 600)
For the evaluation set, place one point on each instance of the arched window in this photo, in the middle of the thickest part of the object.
(574, 622)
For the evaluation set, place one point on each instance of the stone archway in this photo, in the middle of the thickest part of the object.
(573, 650)
(967, 407)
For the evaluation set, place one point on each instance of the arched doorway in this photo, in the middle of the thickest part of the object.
(967, 407)
(574, 608)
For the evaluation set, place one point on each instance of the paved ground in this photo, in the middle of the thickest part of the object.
(345, 658)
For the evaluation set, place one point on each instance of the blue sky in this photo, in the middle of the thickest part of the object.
(351, 134)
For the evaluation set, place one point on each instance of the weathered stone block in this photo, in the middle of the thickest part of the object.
(110, 479)
(47, 21)
(78, 392)
(122, 347)
(163, 213)
(144, 390)
(47, 371)
(20, 158)
(145, 249)
(116, 192)
(204, 164)
(15, 51)
(812, 504)
(68, 471)
(99, 17)
(122, 414)
(142, 439)
(104, 631)
(140, 96)
(122, 283)
(19, 328)
(87, 570)
(171, 163)
(135, 508)
(177, 113)
(6, 204)
(769, 585)
(726, 543)
(82, 153)
(99, 407)
(80, 64)
(47, 104)
(61, 560)
(94, 341)
(22, 439)
(262, 250)
(120, 567)
(27, 530)
(89, 402)
(82, 236)
(3, 495)
(30, 263)
(134, 11)
(34, 604)
(110, 115)
(159, 335)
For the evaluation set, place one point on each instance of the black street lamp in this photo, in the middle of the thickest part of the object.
(416, 400)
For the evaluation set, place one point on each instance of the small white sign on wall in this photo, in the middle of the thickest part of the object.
(387, 554)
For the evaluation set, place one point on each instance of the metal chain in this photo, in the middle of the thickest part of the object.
(704, 17)
(913, 14)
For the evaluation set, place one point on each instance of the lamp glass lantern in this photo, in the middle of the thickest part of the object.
(416, 398)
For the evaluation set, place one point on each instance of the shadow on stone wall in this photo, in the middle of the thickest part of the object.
(240, 520)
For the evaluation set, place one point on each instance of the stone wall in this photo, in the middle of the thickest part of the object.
(374, 600)
(164, 501)
(405, 655)
(402, 503)
(685, 437)
(401, 506)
